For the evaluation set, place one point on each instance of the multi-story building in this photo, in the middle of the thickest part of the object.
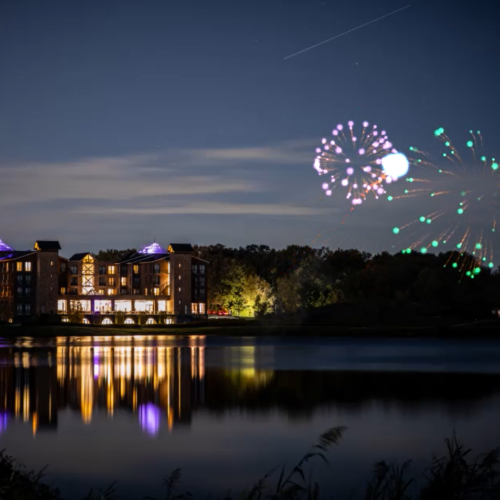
(156, 285)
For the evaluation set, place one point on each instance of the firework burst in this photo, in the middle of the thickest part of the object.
(462, 204)
(352, 160)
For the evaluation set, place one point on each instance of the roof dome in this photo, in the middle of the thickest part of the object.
(4, 247)
(153, 248)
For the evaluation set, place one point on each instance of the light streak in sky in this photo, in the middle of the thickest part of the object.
(347, 32)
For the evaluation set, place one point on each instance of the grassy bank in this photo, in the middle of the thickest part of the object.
(455, 476)
(476, 329)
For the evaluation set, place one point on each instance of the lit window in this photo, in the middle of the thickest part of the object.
(123, 281)
(136, 269)
(179, 289)
(162, 306)
(168, 321)
(63, 291)
(19, 266)
(107, 321)
(180, 276)
(51, 262)
(62, 306)
(194, 308)
(129, 321)
(27, 267)
(111, 281)
(111, 269)
(202, 308)
(179, 264)
(150, 321)
(85, 321)
(65, 320)
(111, 291)
(156, 291)
(168, 268)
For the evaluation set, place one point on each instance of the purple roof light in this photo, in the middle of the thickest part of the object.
(153, 248)
(4, 247)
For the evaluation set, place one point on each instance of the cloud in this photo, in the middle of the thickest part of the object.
(208, 208)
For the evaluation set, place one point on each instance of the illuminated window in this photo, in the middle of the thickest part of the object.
(111, 291)
(27, 267)
(102, 305)
(111, 281)
(180, 277)
(123, 305)
(85, 321)
(168, 290)
(136, 269)
(168, 321)
(162, 305)
(202, 308)
(150, 321)
(107, 321)
(65, 320)
(179, 264)
(111, 269)
(144, 305)
(168, 268)
(63, 291)
(179, 289)
(156, 291)
(129, 321)
(80, 305)
(123, 281)
(194, 308)
(62, 306)
(19, 266)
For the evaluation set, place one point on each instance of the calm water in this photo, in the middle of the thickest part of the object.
(226, 410)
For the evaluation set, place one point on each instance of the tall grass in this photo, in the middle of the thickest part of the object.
(453, 476)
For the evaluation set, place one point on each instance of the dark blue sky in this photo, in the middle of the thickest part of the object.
(124, 120)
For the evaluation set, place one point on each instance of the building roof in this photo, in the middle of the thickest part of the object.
(13, 255)
(47, 245)
(81, 256)
(180, 248)
(143, 258)
(4, 247)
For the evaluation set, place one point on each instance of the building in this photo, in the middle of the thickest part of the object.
(156, 285)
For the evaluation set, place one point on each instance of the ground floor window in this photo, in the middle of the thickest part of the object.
(107, 321)
(123, 305)
(168, 321)
(129, 321)
(162, 306)
(150, 321)
(85, 321)
(144, 305)
(62, 306)
(65, 320)
(103, 305)
(80, 305)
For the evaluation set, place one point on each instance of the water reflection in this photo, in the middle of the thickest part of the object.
(161, 384)
(164, 384)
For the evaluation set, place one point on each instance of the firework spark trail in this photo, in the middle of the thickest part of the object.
(347, 32)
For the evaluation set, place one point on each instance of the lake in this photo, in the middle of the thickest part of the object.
(227, 410)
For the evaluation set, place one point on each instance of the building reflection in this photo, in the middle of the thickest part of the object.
(162, 385)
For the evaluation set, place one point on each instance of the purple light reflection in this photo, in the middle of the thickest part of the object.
(4, 247)
(3, 422)
(149, 418)
(153, 248)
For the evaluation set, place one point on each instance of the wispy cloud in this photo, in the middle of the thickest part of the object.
(208, 208)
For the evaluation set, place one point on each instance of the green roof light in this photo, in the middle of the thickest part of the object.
(435, 243)
(395, 230)
(470, 144)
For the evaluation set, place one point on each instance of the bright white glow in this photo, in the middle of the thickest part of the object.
(345, 182)
(325, 186)
(350, 171)
(328, 193)
(361, 151)
(365, 124)
(395, 165)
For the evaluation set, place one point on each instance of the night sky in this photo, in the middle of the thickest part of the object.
(121, 121)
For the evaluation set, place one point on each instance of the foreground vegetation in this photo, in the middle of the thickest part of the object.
(452, 477)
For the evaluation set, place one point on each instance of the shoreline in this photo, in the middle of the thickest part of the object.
(473, 330)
